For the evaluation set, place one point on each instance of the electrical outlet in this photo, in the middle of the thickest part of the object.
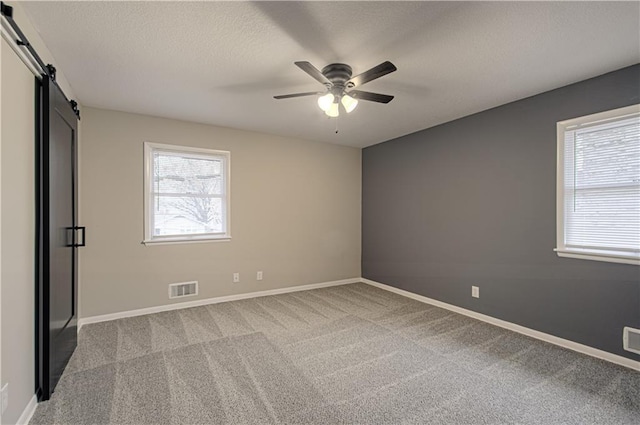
(5, 397)
(259, 275)
(475, 291)
(631, 339)
(236, 277)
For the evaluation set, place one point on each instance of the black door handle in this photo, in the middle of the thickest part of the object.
(71, 236)
(84, 231)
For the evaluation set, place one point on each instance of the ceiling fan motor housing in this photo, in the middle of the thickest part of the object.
(338, 74)
(337, 79)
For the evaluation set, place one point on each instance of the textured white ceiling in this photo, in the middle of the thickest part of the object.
(221, 62)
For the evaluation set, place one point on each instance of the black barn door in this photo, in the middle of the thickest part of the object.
(58, 237)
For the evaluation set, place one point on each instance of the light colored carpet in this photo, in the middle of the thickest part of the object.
(352, 354)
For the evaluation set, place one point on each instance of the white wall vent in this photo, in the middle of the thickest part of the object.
(631, 339)
(183, 289)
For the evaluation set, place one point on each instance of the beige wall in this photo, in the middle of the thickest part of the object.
(18, 233)
(17, 222)
(295, 214)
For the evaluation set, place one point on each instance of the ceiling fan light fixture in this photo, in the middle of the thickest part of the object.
(349, 103)
(333, 110)
(325, 101)
(337, 78)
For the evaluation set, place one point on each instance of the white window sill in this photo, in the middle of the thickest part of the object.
(172, 241)
(608, 256)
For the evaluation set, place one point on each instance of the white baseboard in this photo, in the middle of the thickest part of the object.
(196, 303)
(28, 411)
(571, 345)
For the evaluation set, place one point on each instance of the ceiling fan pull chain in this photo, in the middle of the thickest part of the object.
(336, 125)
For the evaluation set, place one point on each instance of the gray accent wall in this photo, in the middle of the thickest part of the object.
(473, 202)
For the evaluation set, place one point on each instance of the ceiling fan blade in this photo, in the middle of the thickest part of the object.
(376, 72)
(373, 97)
(287, 96)
(313, 71)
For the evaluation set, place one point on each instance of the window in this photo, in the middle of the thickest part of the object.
(186, 194)
(598, 205)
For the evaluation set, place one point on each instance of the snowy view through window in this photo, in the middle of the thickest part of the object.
(188, 192)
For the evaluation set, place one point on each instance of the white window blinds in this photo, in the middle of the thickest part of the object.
(600, 185)
(187, 193)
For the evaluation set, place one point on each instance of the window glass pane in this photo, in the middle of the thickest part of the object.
(605, 218)
(185, 215)
(183, 174)
(608, 157)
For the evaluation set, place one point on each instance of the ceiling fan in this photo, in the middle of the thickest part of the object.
(340, 86)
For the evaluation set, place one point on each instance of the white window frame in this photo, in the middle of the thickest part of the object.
(149, 238)
(562, 250)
